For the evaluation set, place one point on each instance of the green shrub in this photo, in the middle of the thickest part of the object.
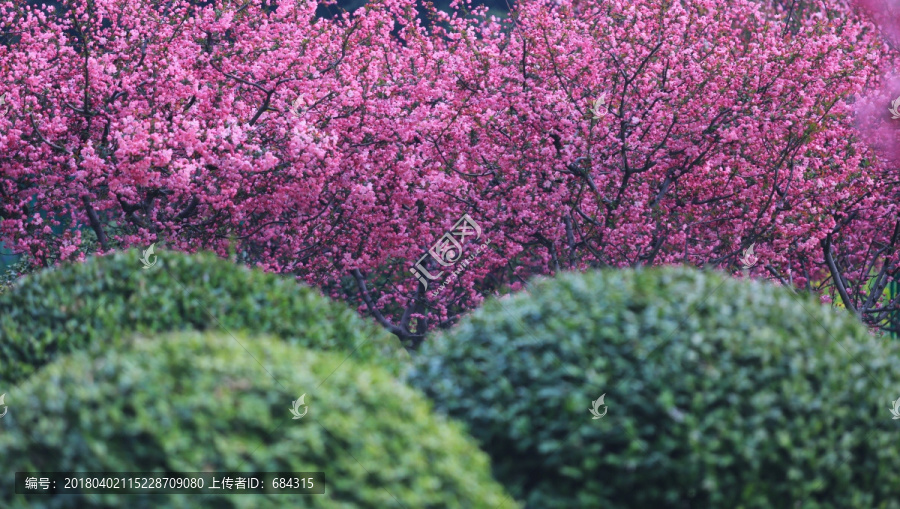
(200, 402)
(719, 393)
(66, 308)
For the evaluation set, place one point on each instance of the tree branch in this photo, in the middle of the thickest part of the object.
(836, 276)
(41, 137)
(189, 210)
(95, 223)
(400, 332)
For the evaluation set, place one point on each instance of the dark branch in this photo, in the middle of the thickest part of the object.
(400, 332)
(95, 223)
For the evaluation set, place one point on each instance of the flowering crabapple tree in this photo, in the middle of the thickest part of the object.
(575, 135)
(861, 251)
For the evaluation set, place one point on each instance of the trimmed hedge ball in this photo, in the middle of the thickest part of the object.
(210, 402)
(107, 298)
(719, 393)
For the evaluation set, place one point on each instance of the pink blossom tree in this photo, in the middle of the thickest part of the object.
(592, 134)
(861, 250)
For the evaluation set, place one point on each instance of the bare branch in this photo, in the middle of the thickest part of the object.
(836, 276)
(95, 223)
(367, 298)
(189, 210)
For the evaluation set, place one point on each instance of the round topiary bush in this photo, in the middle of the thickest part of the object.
(201, 402)
(107, 298)
(718, 393)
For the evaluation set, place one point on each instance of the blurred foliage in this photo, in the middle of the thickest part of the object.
(13, 271)
(194, 402)
(104, 299)
(721, 393)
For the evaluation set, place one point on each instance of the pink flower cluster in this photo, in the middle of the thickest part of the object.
(338, 150)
